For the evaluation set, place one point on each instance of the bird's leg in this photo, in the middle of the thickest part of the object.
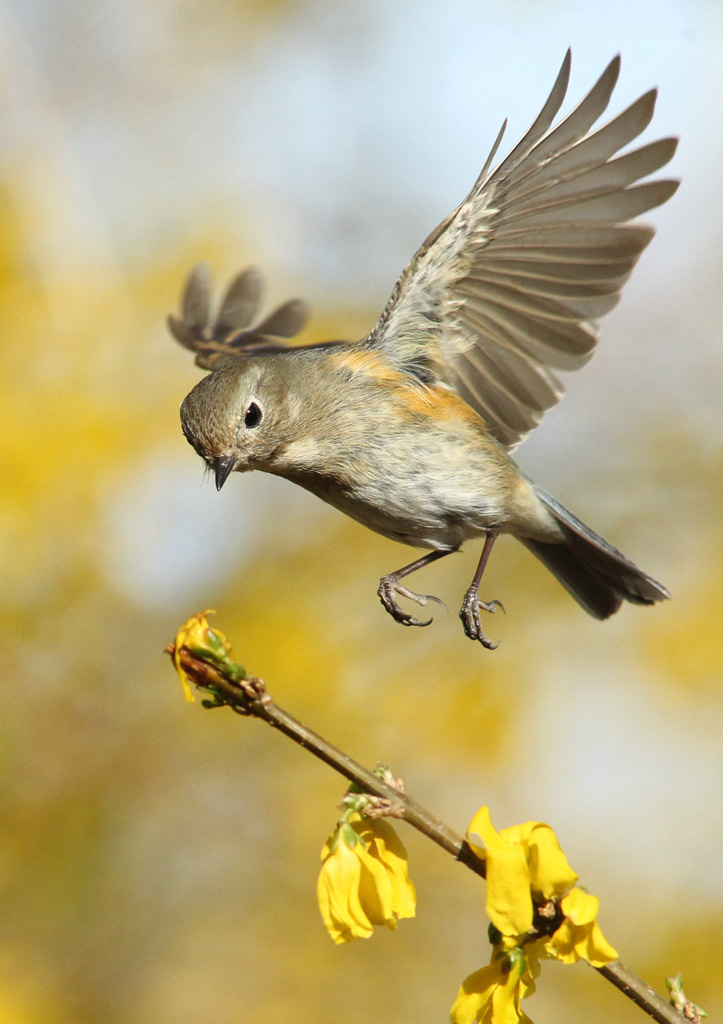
(389, 586)
(472, 604)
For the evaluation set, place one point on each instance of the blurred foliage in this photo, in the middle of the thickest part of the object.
(157, 861)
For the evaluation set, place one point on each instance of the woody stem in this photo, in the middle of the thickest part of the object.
(251, 698)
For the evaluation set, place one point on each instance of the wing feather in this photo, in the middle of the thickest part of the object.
(505, 290)
(541, 123)
(561, 346)
(240, 303)
(196, 298)
(589, 243)
(613, 271)
(230, 335)
(590, 150)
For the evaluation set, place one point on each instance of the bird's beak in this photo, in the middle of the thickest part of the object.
(222, 466)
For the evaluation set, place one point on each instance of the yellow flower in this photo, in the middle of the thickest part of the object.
(579, 936)
(387, 848)
(492, 995)
(521, 861)
(197, 636)
(525, 866)
(363, 880)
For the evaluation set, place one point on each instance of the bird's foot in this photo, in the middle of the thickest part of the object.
(389, 586)
(469, 615)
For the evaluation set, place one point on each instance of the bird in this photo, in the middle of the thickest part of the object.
(410, 430)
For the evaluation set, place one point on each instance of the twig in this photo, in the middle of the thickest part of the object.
(250, 697)
(646, 998)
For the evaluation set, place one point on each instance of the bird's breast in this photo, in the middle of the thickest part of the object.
(426, 487)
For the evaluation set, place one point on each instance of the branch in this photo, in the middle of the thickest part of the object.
(646, 998)
(248, 696)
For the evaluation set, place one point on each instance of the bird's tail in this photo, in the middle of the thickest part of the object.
(597, 575)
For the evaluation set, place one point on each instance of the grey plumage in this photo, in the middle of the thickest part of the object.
(228, 335)
(410, 430)
(538, 249)
(590, 568)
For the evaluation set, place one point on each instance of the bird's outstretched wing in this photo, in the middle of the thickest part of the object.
(230, 334)
(504, 291)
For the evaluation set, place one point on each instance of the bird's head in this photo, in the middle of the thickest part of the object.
(238, 417)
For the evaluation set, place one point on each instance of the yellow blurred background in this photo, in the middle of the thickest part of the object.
(157, 861)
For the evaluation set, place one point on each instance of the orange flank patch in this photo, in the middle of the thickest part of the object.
(441, 402)
(363, 360)
(415, 398)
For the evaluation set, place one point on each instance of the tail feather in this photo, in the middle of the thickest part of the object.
(597, 575)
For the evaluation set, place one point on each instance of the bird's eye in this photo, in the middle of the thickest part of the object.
(253, 415)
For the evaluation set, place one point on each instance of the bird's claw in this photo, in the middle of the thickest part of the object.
(419, 598)
(470, 617)
(389, 587)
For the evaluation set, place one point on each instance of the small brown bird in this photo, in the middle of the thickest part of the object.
(409, 430)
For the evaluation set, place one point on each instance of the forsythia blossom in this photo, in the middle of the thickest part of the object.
(363, 880)
(522, 862)
(200, 639)
(525, 866)
(492, 995)
(579, 936)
